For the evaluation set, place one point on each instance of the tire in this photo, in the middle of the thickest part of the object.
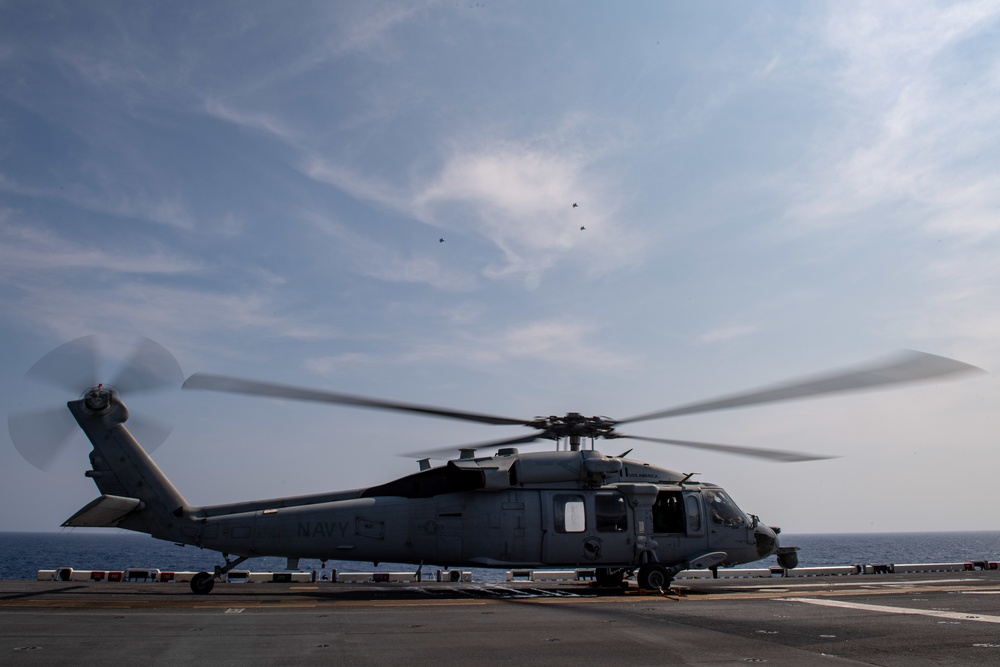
(202, 583)
(653, 576)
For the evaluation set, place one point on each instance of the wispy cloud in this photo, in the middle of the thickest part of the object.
(521, 197)
(727, 333)
(390, 262)
(109, 200)
(71, 287)
(916, 110)
(258, 120)
(518, 197)
(545, 341)
(25, 251)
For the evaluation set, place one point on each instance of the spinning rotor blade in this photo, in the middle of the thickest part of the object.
(910, 366)
(255, 388)
(40, 435)
(450, 452)
(71, 367)
(148, 432)
(753, 452)
(149, 368)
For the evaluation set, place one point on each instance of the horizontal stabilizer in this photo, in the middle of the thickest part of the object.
(103, 512)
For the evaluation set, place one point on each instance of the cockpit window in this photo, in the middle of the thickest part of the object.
(723, 510)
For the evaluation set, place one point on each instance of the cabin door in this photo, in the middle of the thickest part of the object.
(584, 528)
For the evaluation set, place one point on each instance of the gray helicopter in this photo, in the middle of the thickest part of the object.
(570, 507)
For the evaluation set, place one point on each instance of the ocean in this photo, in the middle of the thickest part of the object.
(23, 554)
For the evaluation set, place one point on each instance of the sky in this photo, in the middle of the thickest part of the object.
(520, 208)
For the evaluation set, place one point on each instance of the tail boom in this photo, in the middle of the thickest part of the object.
(136, 495)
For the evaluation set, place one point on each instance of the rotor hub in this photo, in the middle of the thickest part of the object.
(575, 425)
(97, 398)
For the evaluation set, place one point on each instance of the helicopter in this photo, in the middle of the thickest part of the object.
(572, 506)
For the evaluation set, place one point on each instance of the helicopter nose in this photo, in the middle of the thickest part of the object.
(767, 540)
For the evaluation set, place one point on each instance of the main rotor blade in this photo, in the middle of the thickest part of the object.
(753, 452)
(150, 367)
(256, 388)
(910, 366)
(450, 452)
(40, 435)
(71, 367)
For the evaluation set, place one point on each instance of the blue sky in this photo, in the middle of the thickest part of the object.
(767, 190)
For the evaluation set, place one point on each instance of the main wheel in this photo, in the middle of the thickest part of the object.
(653, 576)
(202, 583)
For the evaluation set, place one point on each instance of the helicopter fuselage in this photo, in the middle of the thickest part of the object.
(572, 508)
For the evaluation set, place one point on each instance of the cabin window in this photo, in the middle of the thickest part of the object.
(668, 513)
(569, 514)
(611, 512)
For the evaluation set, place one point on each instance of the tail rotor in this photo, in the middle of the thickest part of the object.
(40, 435)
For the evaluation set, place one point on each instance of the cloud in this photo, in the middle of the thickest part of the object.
(391, 263)
(727, 333)
(517, 196)
(73, 288)
(257, 120)
(353, 183)
(26, 251)
(521, 198)
(917, 104)
(544, 341)
(107, 197)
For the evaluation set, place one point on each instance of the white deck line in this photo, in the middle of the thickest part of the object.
(885, 609)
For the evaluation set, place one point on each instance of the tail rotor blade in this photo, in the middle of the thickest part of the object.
(71, 367)
(150, 433)
(149, 368)
(40, 435)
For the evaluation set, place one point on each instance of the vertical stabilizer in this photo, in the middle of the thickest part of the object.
(122, 469)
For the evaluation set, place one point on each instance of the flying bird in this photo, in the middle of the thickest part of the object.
(575, 204)
(440, 240)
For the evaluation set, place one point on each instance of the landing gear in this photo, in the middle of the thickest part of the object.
(607, 577)
(654, 576)
(202, 583)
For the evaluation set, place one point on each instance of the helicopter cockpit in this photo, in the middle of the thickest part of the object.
(723, 510)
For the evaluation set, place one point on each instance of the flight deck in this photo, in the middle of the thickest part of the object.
(927, 618)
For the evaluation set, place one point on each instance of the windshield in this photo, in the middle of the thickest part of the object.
(723, 510)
